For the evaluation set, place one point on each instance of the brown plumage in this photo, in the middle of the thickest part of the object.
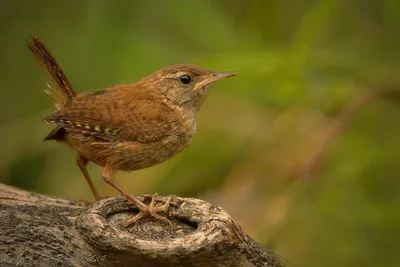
(127, 127)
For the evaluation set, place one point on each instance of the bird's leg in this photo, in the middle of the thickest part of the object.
(108, 174)
(82, 162)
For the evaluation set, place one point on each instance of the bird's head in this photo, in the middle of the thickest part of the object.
(185, 85)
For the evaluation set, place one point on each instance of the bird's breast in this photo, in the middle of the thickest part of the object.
(182, 134)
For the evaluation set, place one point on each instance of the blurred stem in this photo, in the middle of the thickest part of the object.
(362, 100)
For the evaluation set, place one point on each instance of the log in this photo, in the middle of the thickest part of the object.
(39, 230)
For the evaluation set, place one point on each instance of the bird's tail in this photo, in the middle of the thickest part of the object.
(64, 92)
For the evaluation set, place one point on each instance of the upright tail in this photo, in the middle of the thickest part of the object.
(63, 94)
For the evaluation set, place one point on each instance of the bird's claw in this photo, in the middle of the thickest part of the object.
(151, 210)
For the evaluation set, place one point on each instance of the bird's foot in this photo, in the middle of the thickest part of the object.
(151, 210)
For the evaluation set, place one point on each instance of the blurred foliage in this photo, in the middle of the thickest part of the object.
(279, 146)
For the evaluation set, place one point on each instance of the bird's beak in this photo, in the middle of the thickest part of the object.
(215, 76)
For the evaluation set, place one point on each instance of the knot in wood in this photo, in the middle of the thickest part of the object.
(200, 234)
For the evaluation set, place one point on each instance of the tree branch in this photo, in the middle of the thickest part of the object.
(38, 230)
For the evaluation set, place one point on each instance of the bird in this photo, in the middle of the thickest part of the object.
(127, 127)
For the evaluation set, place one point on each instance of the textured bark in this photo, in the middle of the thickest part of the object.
(38, 230)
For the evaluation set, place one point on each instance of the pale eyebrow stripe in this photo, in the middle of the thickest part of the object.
(175, 75)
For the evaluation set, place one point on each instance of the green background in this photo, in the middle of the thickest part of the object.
(301, 98)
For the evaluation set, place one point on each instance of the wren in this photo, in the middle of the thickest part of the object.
(127, 127)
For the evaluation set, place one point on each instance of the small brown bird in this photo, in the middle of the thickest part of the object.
(127, 127)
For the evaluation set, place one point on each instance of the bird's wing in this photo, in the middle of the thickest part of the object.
(106, 116)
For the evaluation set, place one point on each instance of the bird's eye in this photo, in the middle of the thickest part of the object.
(185, 79)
